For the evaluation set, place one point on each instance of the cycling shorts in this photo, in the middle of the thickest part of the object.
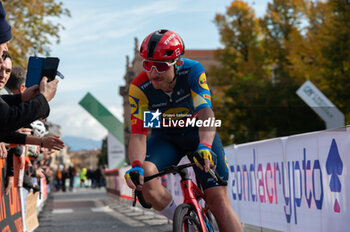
(166, 149)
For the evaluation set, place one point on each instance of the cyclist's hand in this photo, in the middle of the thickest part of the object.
(206, 155)
(136, 168)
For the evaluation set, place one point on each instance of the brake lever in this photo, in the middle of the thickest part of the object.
(213, 173)
(135, 179)
(134, 196)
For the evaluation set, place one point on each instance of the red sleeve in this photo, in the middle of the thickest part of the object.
(138, 104)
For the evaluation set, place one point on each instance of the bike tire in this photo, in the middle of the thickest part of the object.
(185, 219)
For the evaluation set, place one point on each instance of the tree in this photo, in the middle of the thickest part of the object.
(257, 79)
(241, 60)
(282, 32)
(322, 54)
(329, 36)
(33, 27)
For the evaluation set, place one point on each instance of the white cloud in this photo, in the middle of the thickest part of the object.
(118, 112)
(76, 121)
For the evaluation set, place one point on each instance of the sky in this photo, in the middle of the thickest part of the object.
(100, 34)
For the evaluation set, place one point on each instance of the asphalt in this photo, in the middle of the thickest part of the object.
(93, 210)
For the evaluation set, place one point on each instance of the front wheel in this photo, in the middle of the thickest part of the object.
(186, 219)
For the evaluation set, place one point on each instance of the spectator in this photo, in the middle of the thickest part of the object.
(16, 85)
(31, 170)
(5, 72)
(98, 177)
(71, 175)
(33, 158)
(16, 82)
(58, 178)
(89, 177)
(21, 109)
(83, 177)
(64, 178)
(18, 75)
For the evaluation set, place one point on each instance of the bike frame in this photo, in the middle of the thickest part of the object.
(191, 194)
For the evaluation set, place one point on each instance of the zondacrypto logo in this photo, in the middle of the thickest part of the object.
(155, 119)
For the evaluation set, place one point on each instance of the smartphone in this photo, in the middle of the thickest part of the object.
(39, 67)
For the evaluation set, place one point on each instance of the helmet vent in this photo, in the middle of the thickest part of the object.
(151, 48)
(168, 52)
(163, 31)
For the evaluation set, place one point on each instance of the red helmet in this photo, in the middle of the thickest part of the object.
(162, 45)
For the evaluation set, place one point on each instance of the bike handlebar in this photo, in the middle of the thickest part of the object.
(168, 170)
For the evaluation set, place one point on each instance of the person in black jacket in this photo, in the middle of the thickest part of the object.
(19, 110)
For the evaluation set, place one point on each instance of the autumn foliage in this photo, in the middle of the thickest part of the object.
(265, 60)
(34, 27)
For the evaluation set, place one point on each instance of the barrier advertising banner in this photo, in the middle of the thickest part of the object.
(296, 183)
(10, 205)
(116, 152)
(31, 218)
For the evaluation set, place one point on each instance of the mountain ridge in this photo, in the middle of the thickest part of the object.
(79, 143)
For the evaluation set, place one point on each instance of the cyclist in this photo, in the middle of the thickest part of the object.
(176, 88)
